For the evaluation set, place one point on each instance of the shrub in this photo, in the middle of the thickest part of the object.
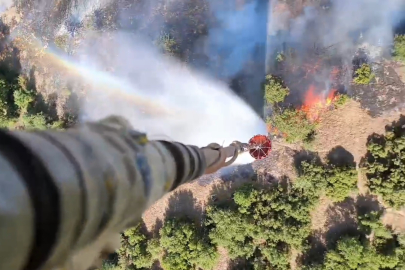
(58, 125)
(371, 224)
(263, 226)
(61, 41)
(134, 252)
(110, 266)
(385, 166)
(232, 230)
(168, 45)
(341, 99)
(399, 48)
(34, 122)
(7, 122)
(294, 124)
(312, 179)
(23, 99)
(274, 90)
(23, 96)
(336, 182)
(375, 247)
(280, 57)
(341, 181)
(364, 75)
(4, 98)
(184, 248)
(180, 246)
(351, 253)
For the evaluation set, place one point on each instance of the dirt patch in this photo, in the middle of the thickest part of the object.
(396, 219)
(400, 70)
(223, 262)
(349, 127)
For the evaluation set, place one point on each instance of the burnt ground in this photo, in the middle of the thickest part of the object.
(385, 94)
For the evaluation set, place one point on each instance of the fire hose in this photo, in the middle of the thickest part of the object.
(65, 196)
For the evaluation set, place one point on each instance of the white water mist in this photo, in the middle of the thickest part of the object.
(161, 96)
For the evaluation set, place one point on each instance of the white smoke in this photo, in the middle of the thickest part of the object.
(83, 8)
(5, 4)
(342, 24)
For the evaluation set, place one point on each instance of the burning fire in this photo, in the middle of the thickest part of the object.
(273, 130)
(316, 104)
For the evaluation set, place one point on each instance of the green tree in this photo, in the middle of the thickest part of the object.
(4, 99)
(23, 99)
(351, 253)
(23, 96)
(337, 182)
(61, 41)
(274, 90)
(110, 266)
(364, 75)
(168, 44)
(312, 179)
(399, 48)
(385, 166)
(376, 247)
(34, 122)
(294, 124)
(371, 224)
(185, 248)
(134, 252)
(263, 226)
(341, 181)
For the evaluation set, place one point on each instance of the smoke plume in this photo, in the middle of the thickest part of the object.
(342, 25)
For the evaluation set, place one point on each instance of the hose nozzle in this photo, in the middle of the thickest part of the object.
(241, 147)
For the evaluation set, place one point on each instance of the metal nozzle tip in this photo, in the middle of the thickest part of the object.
(242, 147)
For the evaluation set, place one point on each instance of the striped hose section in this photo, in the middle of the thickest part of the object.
(60, 190)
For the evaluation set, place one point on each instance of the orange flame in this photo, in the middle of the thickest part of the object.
(315, 105)
(273, 130)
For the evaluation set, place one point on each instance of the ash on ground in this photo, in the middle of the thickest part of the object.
(385, 94)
